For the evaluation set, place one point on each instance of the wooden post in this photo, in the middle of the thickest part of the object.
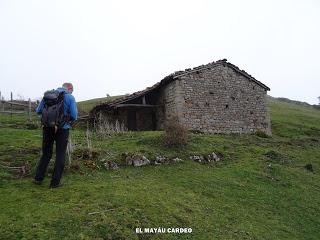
(11, 104)
(2, 101)
(29, 109)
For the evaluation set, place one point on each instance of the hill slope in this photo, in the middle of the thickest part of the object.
(86, 106)
(260, 189)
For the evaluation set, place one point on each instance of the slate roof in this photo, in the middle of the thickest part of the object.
(176, 75)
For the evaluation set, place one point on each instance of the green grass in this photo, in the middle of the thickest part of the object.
(259, 190)
(86, 106)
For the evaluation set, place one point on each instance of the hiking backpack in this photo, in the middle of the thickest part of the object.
(53, 109)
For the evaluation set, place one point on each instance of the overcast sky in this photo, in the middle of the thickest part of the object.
(119, 47)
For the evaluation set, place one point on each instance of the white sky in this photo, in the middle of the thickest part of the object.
(119, 47)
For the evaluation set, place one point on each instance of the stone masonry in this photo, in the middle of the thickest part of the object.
(213, 98)
(221, 100)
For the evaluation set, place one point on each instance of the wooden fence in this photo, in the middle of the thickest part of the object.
(26, 107)
(16, 106)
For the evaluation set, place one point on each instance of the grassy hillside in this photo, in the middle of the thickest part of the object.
(259, 190)
(86, 106)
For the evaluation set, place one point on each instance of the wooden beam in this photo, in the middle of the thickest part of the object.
(16, 103)
(13, 112)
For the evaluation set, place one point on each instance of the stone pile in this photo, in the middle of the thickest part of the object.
(160, 160)
(164, 160)
(211, 157)
(110, 165)
(137, 160)
(197, 158)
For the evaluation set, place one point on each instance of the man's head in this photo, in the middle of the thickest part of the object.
(68, 87)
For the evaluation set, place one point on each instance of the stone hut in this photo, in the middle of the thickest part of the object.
(217, 98)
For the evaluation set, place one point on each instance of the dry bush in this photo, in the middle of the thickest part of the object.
(103, 127)
(175, 135)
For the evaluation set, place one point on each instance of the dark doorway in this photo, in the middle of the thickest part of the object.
(132, 120)
(154, 120)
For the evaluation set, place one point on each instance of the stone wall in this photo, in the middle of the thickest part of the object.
(216, 100)
(219, 100)
(171, 99)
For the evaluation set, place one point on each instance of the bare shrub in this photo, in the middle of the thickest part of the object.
(103, 127)
(175, 135)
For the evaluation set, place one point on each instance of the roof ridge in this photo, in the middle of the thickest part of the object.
(213, 64)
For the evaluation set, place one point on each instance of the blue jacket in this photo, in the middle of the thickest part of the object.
(70, 107)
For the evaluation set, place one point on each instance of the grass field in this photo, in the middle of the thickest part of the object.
(86, 106)
(259, 190)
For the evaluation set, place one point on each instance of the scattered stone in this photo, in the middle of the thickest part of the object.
(213, 157)
(129, 160)
(110, 165)
(175, 160)
(136, 160)
(140, 161)
(197, 158)
(160, 160)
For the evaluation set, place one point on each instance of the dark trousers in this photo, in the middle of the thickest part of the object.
(61, 139)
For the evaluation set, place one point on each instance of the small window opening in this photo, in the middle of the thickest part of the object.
(227, 106)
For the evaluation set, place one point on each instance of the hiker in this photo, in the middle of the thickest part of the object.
(58, 110)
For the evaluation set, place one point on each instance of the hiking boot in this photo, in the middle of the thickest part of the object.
(55, 185)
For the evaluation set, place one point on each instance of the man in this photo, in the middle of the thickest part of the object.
(58, 133)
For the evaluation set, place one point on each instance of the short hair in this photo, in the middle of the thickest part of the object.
(68, 86)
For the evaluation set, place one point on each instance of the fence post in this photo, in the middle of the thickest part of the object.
(2, 101)
(11, 105)
(29, 109)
